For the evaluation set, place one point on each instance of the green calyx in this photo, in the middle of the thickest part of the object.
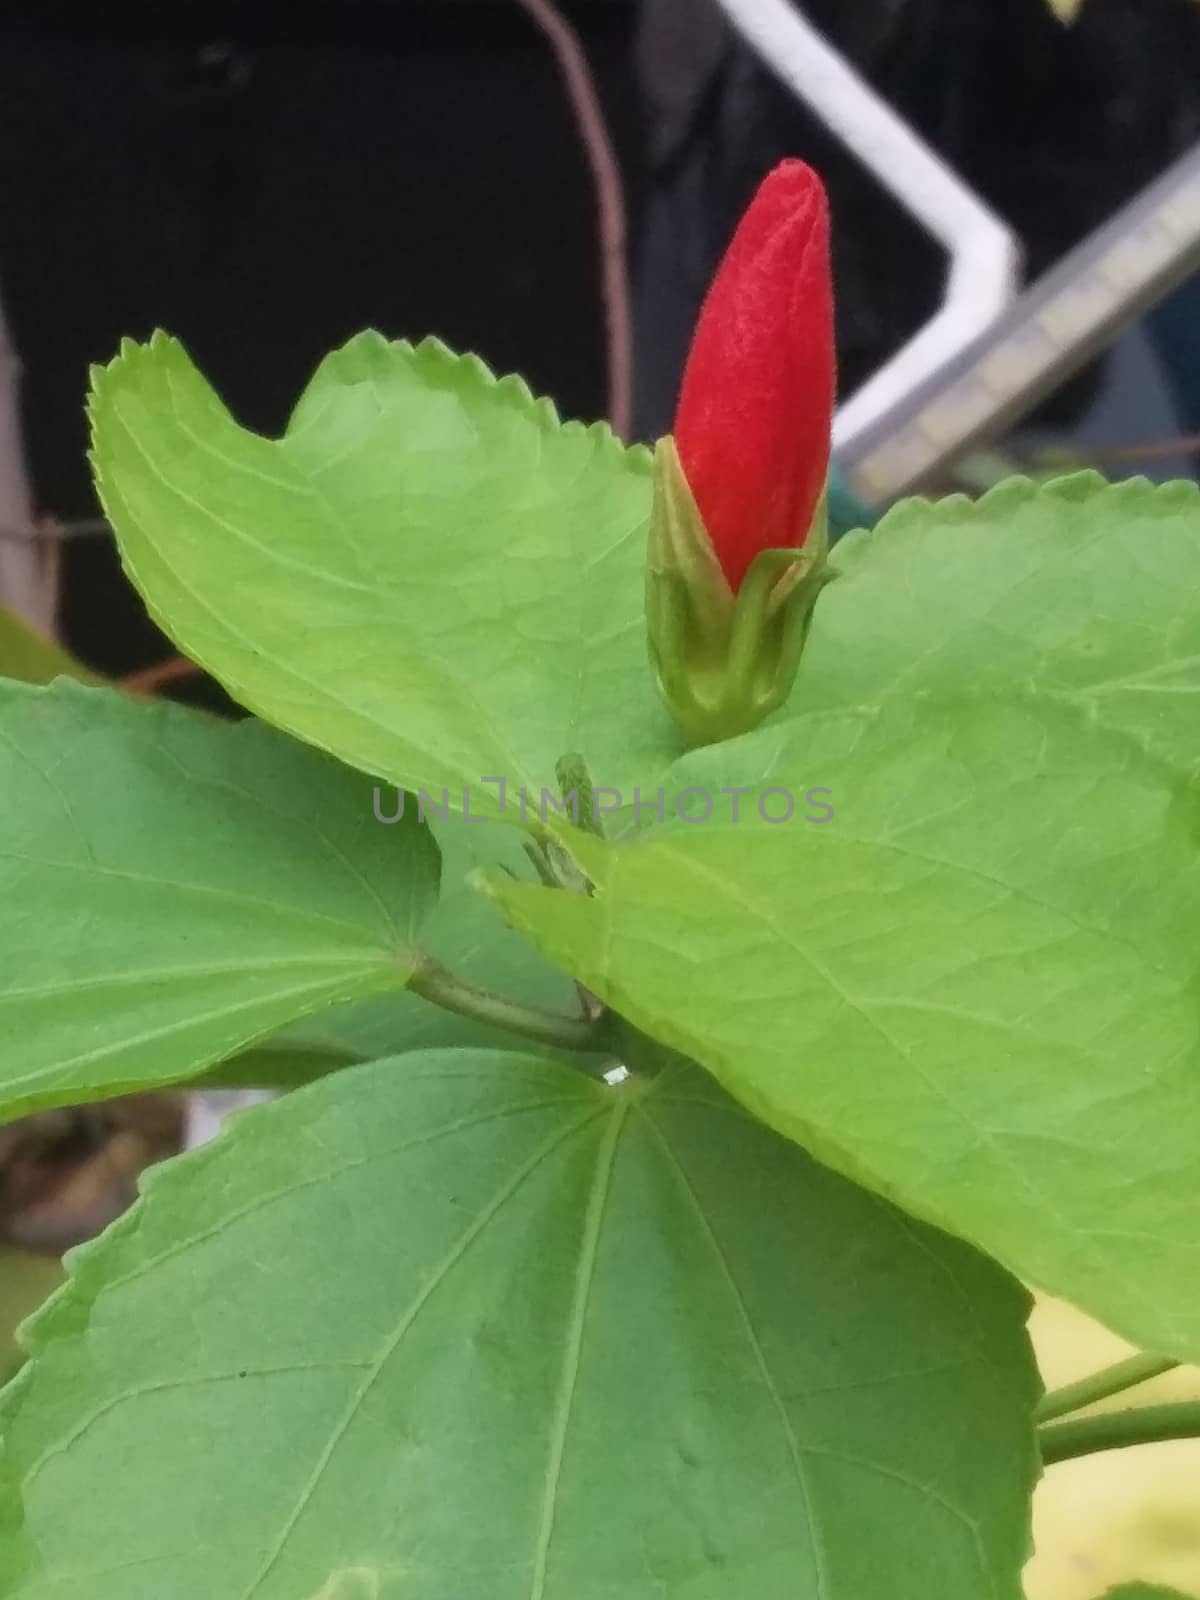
(723, 662)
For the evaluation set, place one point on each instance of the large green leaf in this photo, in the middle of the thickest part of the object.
(174, 887)
(973, 989)
(29, 656)
(1076, 591)
(428, 575)
(468, 1326)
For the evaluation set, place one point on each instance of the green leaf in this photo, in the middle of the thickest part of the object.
(1076, 591)
(467, 1326)
(175, 888)
(429, 575)
(286, 1060)
(28, 656)
(973, 989)
(1143, 1591)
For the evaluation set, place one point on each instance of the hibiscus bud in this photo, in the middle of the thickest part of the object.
(738, 536)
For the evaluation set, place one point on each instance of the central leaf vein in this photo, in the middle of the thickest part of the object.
(573, 1347)
(452, 1258)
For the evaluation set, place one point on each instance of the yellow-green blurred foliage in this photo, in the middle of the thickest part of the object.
(1123, 1515)
(25, 1281)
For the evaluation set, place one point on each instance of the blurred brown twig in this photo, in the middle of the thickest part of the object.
(149, 680)
(610, 205)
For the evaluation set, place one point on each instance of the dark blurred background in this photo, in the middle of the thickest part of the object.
(265, 180)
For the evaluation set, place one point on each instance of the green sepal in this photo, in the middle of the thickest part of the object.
(722, 662)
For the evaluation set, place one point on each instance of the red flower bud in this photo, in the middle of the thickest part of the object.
(753, 425)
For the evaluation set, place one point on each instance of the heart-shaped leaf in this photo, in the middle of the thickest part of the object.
(429, 575)
(469, 1326)
(971, 986)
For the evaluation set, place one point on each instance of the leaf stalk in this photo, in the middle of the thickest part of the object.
(1102, 1385)
(1118, 1430)
(438, 984)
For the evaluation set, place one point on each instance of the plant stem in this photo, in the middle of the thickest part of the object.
(444, 988)
(1116, 1430)
(541, 864)
(584, 97)
(1101, 1385)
